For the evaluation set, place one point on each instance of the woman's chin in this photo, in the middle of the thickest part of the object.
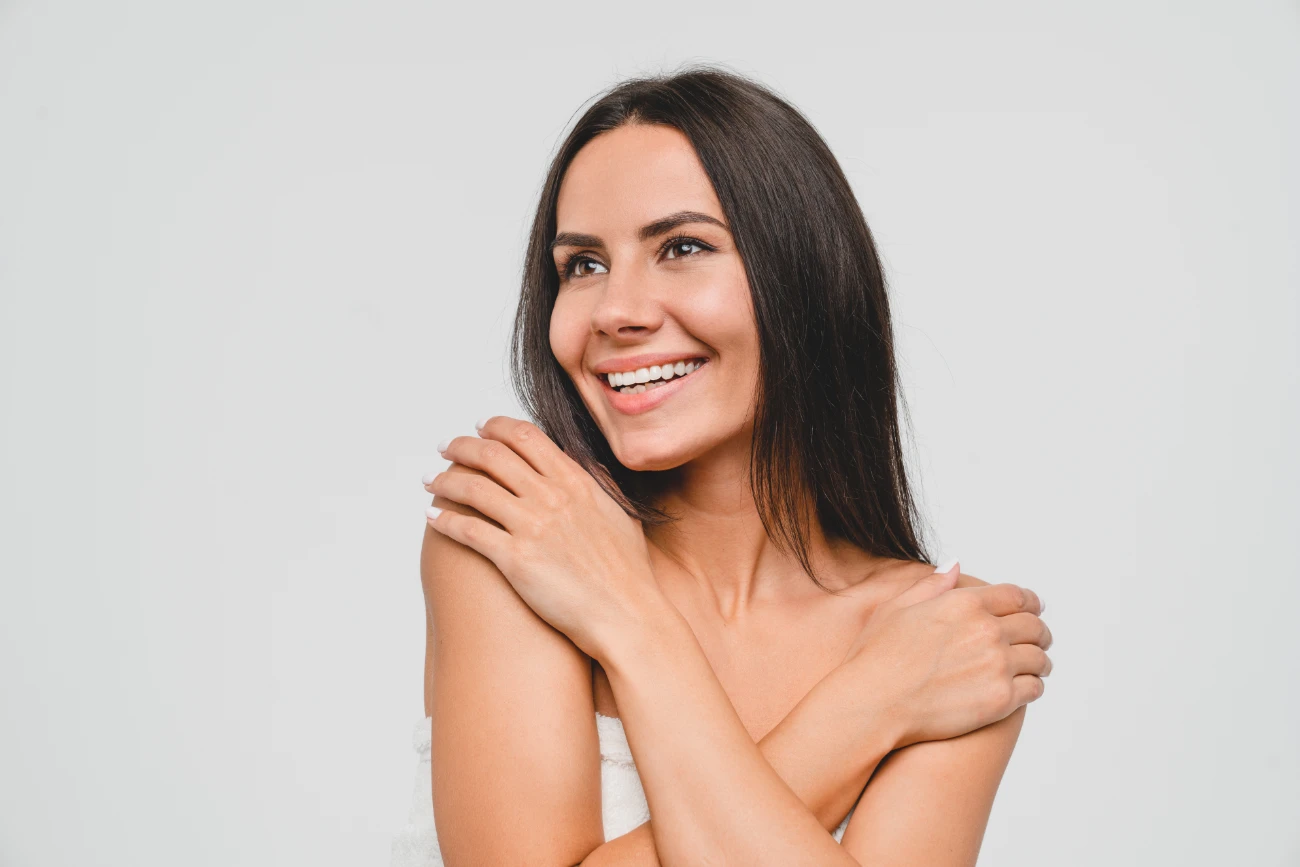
(650, 466)
(649, 460)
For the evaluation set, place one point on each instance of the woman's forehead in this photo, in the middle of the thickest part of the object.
(626, 177)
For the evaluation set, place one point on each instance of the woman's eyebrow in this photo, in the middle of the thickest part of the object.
(662, 226)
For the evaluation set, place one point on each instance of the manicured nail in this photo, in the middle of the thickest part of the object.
(480, 424)
(945, 568)
(432, 512)
(428, 477)
(1042, 606)
(442, 446)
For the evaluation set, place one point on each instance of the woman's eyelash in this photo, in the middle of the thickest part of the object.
(566, 268)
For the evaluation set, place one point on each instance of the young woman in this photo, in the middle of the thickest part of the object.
(686, 618)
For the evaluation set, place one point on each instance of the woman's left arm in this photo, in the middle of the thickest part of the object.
(929, 803)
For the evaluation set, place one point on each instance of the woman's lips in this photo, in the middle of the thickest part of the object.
(635, 404)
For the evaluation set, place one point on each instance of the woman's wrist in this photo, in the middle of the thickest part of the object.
(867, 695)
(650, 622)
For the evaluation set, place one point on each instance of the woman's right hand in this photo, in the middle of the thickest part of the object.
(947, 660)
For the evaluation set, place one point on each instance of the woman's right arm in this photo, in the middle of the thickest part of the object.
(515, 757)
(515, 754)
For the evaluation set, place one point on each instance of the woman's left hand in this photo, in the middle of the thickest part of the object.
(568, 549)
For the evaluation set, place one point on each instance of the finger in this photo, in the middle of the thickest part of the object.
(529, 442)
(472, 532)
(929, 586)
(1029, 659)
(1025, 628)
(496, 459)
(479, 491)
(1026, 688)
(1003, 599)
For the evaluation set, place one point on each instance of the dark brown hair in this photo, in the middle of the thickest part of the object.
(826, 426)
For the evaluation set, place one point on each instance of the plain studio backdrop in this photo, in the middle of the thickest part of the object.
(257, 259)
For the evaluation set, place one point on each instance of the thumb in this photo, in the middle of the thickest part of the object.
(943, 580)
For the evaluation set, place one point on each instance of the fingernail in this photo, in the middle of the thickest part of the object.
(432, 512)
(428, 477)
(946, 567)
(1042, 606)
(479, 425)
(442, 446)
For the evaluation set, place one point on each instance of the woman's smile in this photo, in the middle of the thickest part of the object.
(636, 385)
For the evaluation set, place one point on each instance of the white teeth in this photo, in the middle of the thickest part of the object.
(637, 381)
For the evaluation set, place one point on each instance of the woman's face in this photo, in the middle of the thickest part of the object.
(653, 290)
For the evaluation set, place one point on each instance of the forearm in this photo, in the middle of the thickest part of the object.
(714, 796)
(829, 744)
(825, 750)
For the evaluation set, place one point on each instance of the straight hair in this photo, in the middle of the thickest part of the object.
(826, 443)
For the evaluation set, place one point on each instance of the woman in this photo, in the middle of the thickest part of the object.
(693, 590)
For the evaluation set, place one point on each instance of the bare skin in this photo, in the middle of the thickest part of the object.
(533, 584)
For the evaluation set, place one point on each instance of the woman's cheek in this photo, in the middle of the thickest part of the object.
(568, 332)
(722, 309)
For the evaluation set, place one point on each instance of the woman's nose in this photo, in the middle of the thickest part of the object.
(627, 307)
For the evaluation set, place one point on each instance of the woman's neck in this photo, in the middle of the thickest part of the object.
(720, 542)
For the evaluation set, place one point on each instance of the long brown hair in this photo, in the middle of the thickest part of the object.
(826, 426)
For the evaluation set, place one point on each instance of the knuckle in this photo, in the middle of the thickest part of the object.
(1017, 594)
(534, 528)
(554, 498)
(523, 431)
(492, 452)
(987, 631)
(959, 604)
(999, 695)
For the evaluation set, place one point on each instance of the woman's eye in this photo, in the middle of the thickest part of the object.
(676, 247)
(575, 268)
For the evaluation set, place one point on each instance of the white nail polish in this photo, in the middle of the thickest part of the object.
(428, 478)
(432, 512)
(479, 425)
(946, 566)
(442, 447)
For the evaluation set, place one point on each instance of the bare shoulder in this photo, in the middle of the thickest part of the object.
(511, 703)
(475, 615)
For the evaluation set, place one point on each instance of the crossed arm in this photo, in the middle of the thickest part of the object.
(516, 774)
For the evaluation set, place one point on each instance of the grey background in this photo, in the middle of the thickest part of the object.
(258, 258)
